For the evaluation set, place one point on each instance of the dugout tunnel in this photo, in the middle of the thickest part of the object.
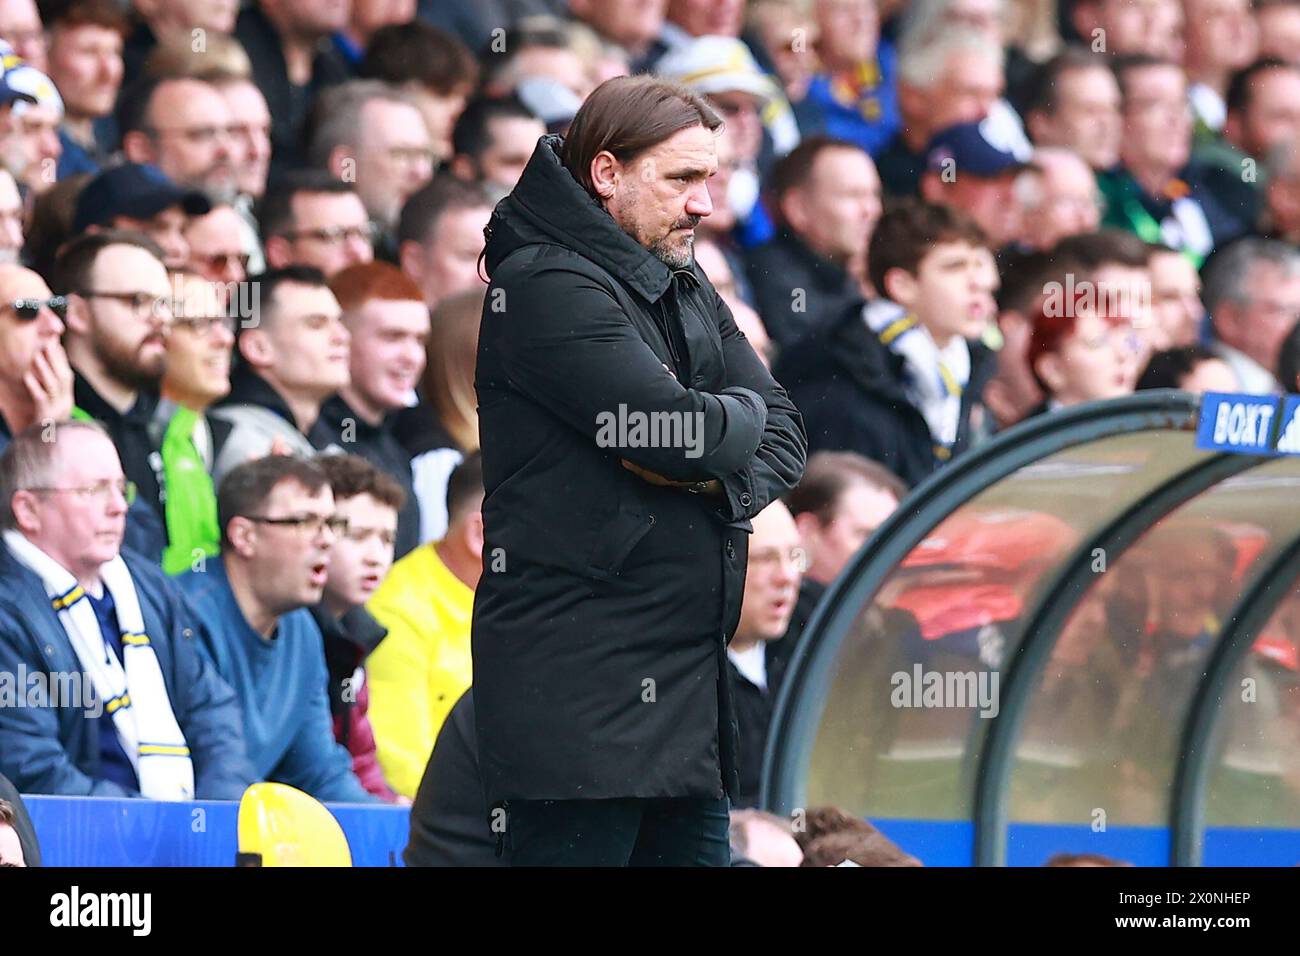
(1108, 618)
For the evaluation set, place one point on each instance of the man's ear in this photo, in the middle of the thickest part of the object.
(256, 349)
(462, 167)
(902, 287)
(473, 532)
(278, 252)
(77, 318)
(410, 256)
(606, 171)
(342, 164)
(794, 209)
(242, 534)
(1051, 369)
(137, 147)
(808, 526)
(26, 515)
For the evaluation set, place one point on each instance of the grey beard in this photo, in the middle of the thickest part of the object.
(674, 258)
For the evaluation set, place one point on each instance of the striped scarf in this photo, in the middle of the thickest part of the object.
(132, 690)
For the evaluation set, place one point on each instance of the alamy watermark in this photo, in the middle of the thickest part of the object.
(1067, 298)
(60, 689)
(637, 429)
(944, 689)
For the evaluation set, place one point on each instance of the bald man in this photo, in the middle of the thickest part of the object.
(1059, 196)
(35, 378)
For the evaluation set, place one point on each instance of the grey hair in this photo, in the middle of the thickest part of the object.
(1228, 277)
(924, 21)
(922, 66)
(29, 461)
(336, 116)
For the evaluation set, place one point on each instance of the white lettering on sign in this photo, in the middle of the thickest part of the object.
(1240, 423)
(1290, 440)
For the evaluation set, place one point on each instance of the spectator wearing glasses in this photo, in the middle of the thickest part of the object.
(1252, 291)
(368, 502)
(389, 324)
(373, 135)
(85, 63)
(183, 126)
(312, 219)
(216, 245)
(293, 356)
(197, 374)
(250, 609)
(223, 63)
(1081, 351)
(35, 378)
(118, 319)
(155, 720)
(141, 198)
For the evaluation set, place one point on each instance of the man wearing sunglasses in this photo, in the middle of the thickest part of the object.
(35, 378)
(118, 319)
(130, 707)
(250, 607)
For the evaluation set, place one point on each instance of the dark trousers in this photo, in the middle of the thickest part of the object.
(627, 832)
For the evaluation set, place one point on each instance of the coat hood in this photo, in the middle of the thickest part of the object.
(549, 206)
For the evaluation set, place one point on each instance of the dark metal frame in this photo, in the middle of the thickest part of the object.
(1054, 609)
(797, 710)
(1253, 610)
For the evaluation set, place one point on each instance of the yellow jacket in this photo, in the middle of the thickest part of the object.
(422, 667)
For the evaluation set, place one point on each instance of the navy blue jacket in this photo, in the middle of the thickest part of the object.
(45, 749)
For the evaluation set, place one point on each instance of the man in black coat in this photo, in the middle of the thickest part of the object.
(629, 433)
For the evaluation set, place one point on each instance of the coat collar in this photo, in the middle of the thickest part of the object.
(548, 205)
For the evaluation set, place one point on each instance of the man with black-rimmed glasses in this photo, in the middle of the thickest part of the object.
(310, 218)
(118, 319)
(250, 610)
(115, 698)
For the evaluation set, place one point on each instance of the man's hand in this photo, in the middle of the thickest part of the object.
(49, 382)
(713, 487)
(654, 479)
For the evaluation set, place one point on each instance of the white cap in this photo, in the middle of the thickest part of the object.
(712, 64)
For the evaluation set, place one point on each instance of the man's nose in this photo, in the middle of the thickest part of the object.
(699, 203)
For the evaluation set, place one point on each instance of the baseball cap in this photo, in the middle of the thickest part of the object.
(973, 150)
(716, 65)
(21, 84)
(549, 100)
(137, 190)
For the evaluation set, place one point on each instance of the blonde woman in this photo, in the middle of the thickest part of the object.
(451, 429)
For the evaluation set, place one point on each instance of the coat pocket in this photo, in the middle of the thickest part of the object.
(615, 541)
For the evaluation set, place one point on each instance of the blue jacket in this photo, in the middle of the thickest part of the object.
(281, 685)
(46, 749)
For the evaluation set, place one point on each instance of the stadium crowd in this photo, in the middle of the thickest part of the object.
(240, 292)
